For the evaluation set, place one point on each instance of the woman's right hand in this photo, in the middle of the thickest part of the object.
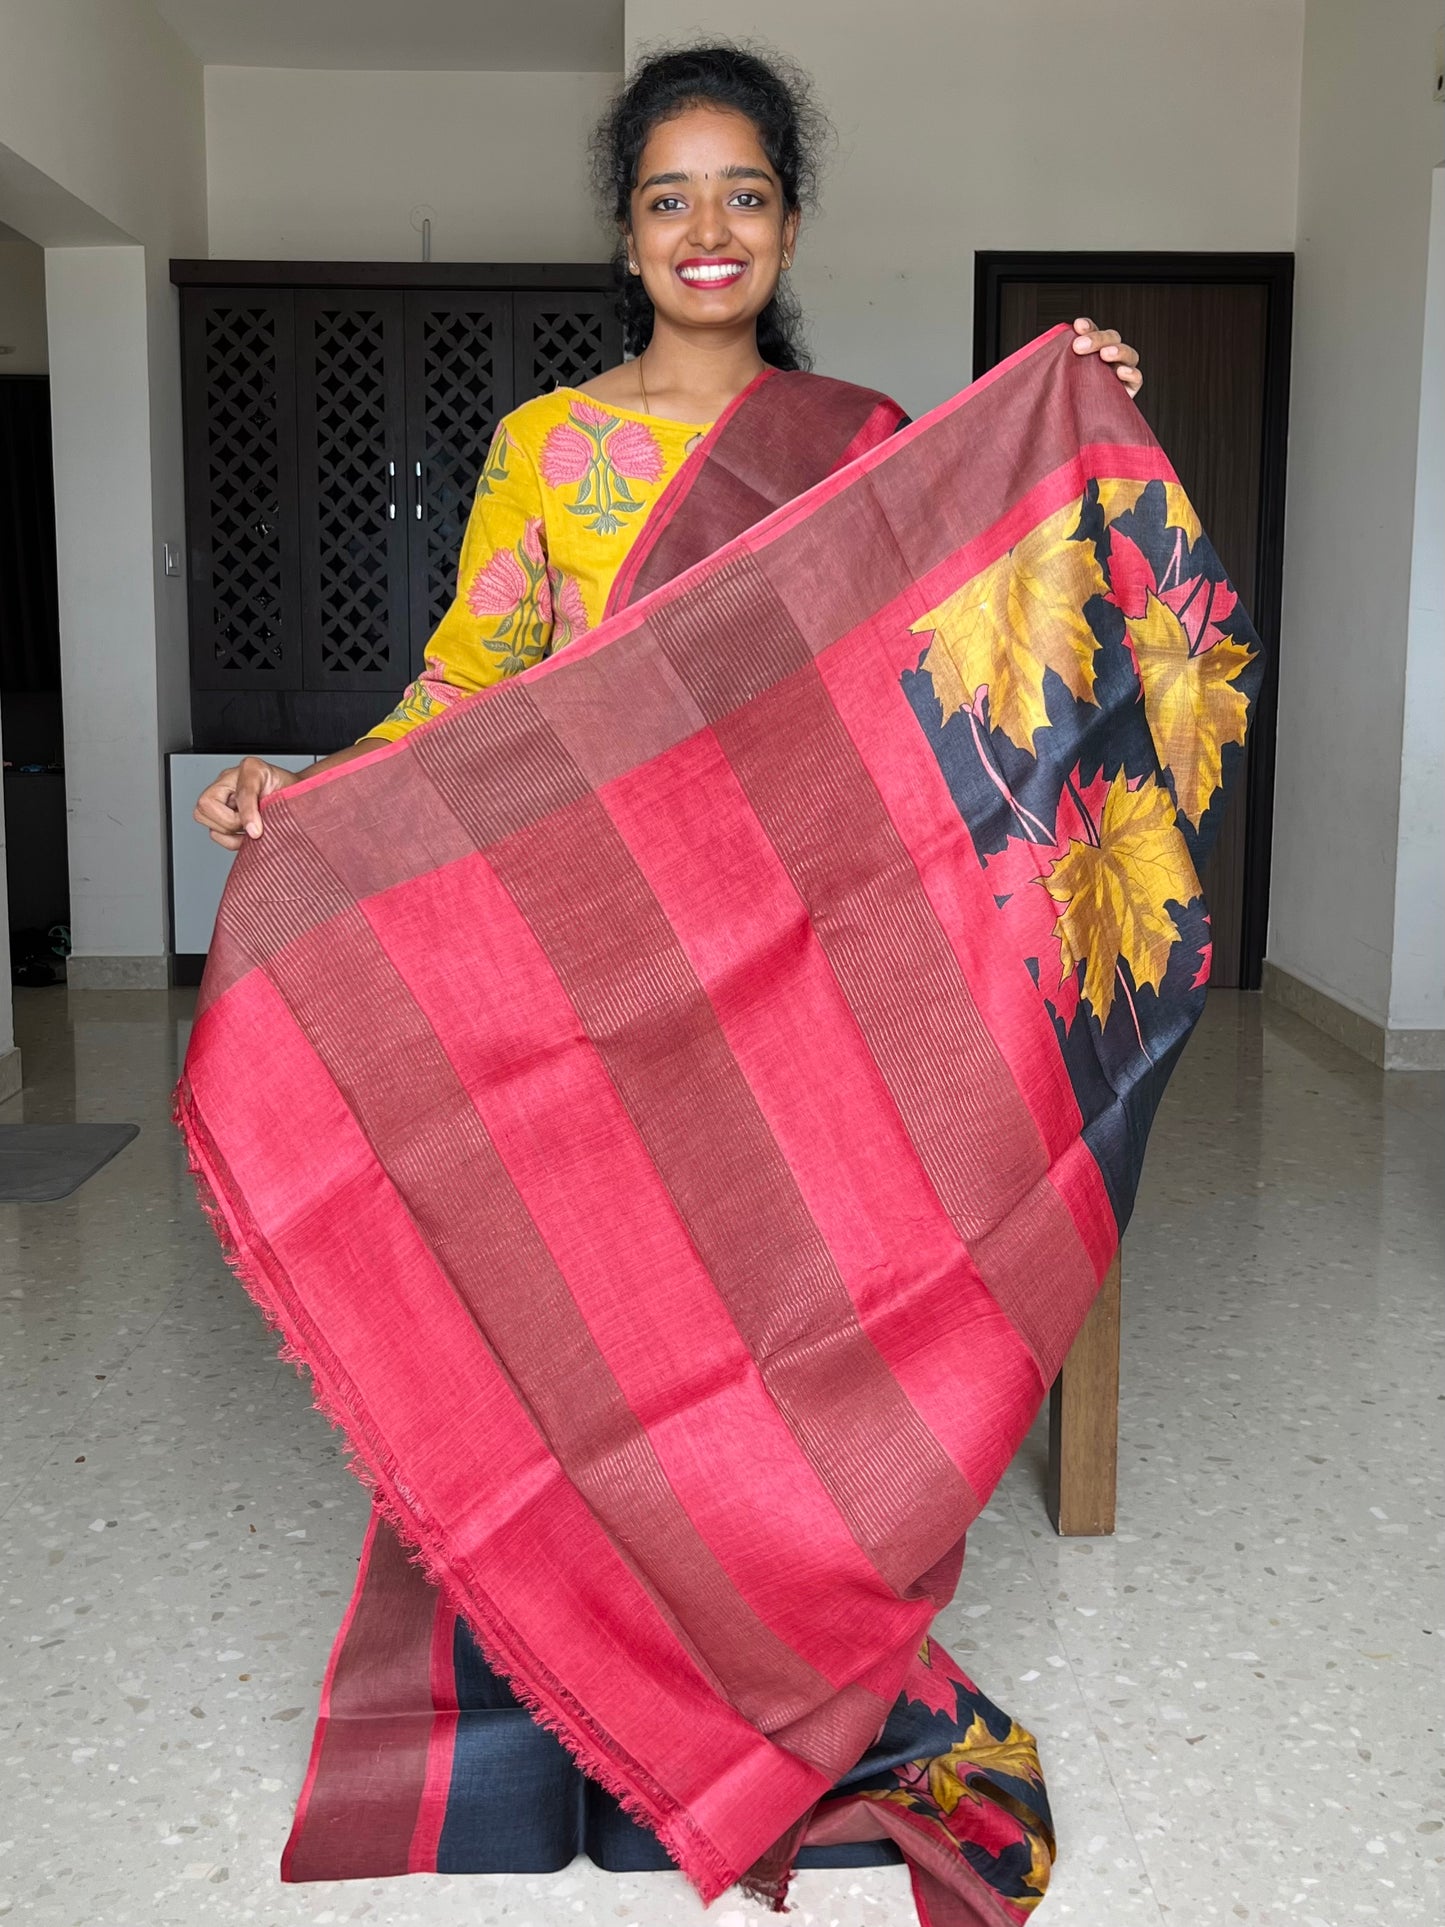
(230, 808)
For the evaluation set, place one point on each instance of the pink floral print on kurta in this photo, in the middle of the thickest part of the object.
(569, 612)
(598, 453)
(514, 589)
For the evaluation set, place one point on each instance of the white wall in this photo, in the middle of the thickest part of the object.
(100, 418)
(1417, 972)
(22, 307)
(1370, 137)
(102, 138)
(328, 165)
(970, 124)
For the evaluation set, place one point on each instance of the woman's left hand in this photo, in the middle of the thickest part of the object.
(1105, 343)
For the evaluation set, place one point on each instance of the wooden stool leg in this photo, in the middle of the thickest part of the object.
(1084, 1422)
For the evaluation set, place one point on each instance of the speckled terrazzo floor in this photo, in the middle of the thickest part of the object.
(1239, 1697)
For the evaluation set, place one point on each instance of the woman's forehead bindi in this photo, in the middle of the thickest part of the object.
(737, 171)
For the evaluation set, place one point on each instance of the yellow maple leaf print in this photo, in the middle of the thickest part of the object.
(1192, 702)
(1004, 629)
(1117, 497)
(1016, 1755)
(1112, 895)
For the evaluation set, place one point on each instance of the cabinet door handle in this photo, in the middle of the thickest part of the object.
(418, 491)
(391, 491)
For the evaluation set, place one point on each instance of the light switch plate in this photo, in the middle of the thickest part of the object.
(171, 552)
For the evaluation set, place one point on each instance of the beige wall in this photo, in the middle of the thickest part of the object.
(329, 165)
(101, 99)
(970, 124)
(22, 307)
(1371, 136)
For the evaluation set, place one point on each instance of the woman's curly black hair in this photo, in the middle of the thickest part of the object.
(776, 97)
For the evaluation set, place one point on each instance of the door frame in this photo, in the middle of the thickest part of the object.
(993, 269)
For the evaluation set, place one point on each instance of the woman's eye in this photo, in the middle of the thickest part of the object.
(669, 204)
(747, 199)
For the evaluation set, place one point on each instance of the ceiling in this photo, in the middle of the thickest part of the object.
(512, 36)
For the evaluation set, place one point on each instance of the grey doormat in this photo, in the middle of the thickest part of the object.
(42, 1162)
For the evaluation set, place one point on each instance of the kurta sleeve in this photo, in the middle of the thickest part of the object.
(500, 621)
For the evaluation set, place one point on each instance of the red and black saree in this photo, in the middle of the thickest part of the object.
(706, 1079)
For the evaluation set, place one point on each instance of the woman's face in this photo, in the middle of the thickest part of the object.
(709, 227)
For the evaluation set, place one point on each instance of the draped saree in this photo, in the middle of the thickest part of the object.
(706, 1079)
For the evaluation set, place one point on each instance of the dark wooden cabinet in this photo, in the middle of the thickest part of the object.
(336, 422)
(351, 455)
(243, 524)
(459, 379)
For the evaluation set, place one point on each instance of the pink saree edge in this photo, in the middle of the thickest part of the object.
(694, 1853)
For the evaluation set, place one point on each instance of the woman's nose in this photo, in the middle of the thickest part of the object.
(709, 229)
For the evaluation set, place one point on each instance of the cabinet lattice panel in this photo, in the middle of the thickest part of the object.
(563, 341)
(239, 573)
(462, 347)
(334, 436)
(352, 451)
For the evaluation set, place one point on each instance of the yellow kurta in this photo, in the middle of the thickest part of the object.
(566, 489)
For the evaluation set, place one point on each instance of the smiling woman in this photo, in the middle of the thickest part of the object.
(707, 162)
(590, 499)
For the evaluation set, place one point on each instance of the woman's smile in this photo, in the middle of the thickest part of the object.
(700, 272)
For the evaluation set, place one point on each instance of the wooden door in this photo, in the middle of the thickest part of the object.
(351, 463)
(458, 385)
(1213, 336)
(238, 369)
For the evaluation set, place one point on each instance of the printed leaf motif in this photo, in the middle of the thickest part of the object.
(1029, 917)
(1117, 497)
(1112, 895)
(1192, 702)
(929, 1684)
(1016, 1756)
(496, 470)
(1023, 616)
